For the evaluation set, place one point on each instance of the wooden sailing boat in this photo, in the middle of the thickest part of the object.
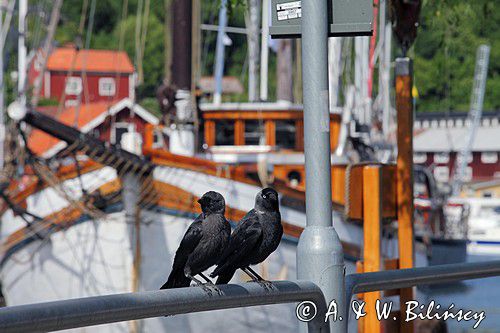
(111, 221)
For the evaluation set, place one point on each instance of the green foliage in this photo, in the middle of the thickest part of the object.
(151, 104)
(445, 53)
(48, 102)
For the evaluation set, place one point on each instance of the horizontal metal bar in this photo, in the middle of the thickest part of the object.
(404, 278)
(79, 312)
(234, 30)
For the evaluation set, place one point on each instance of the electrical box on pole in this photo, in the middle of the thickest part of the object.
(345, 18)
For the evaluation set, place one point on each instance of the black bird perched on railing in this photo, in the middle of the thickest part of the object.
(202, 244)
(256, 236)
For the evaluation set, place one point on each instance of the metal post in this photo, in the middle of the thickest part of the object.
(219, 52)
(319, 254)
(131, 188)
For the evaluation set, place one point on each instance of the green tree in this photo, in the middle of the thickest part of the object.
(445, 50)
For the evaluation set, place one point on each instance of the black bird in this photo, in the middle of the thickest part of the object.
(256, 236)
(202, 244)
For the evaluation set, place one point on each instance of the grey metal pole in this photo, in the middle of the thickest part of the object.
(319, 254)
(81, 312)
(130, 193)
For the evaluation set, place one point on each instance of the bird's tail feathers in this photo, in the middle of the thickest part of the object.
(176, 279)
(225, 277)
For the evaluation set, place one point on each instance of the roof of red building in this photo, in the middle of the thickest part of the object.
(102, 61)
(85, 118)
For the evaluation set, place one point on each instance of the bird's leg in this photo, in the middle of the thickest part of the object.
(199, 284)
(257, 278)
(253, 277)
(208, 287)
(205, 278)
(211, 285)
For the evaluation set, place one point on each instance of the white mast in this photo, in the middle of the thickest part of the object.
(2, 110)
(22, 52)
(361, 68)
(219, 52)
(264, 52)
(334, 69)
(385, 69)
(474, 117)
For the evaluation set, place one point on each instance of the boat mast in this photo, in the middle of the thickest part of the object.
(252, 23)
(2, 122)
(474, 117)
(385, 34)
(219, 52)
(284, 87)
(22, 52)
(361, 68)
(264, 52)
(54, 19)
(334, 69)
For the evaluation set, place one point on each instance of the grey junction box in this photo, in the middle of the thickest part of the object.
(345, 17)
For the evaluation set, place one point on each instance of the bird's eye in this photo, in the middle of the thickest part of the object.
(264, 196)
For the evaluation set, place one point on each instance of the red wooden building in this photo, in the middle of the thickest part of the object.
(439, 137)
(106, 121)
(86, 75)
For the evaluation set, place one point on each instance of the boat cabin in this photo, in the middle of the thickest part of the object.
(279, 127)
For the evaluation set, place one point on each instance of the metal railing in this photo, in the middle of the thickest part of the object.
(404, 278)
(89, 311)
(80, 312)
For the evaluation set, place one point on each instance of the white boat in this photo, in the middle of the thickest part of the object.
(76, 249)
(483, 225)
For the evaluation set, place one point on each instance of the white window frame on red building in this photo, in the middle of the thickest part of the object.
(73, 85)
(419, 158)
(489, 157)
(104, 81)
(442, 174)
(442, 158)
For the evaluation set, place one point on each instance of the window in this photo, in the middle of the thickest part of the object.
(442, 174)
(419, 158)
(441, 158)
(73, 86)
(118, 130)
(285, 134)
(107, 86)
(489, 157)
(254, 131)
(224, 133)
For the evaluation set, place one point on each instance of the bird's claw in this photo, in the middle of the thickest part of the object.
(210, 288)
(267, 285)
(215, 288)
